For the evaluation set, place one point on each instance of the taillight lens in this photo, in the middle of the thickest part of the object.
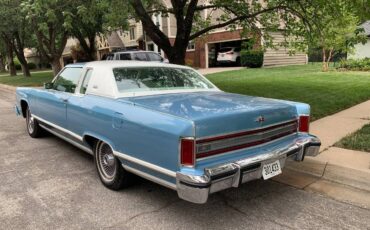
(187, 152)
(304, 124)
(230, 52)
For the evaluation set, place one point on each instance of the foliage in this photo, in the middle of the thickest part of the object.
(252, 58)
(362, 9)
(357, 141)
(15, 33)
(52, 23)
(355, 64)
(31, 66)
(328, 25)
(192, 23)
(327, 93)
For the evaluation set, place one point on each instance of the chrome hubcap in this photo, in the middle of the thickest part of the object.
(107, 162)
(30, 122)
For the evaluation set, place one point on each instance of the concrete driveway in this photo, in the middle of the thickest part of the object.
(48, 184)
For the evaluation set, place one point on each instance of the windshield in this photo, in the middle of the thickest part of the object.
(158, 78)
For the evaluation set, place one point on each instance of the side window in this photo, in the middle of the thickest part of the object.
(125, 56)
(140, 56)
(154, 57)
(67, 80)
(86, 81)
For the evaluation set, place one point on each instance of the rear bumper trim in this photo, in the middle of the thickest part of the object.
(196, 188)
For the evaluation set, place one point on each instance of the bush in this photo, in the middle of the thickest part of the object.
(31, 65)
(357, 65)
(18, 66)
(251, 58)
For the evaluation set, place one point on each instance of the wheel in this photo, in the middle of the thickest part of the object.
(109, 168)
(33, 127)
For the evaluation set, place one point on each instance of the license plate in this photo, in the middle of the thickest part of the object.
(222, 55)
(271, 170)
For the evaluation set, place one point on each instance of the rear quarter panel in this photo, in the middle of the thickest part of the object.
(138, 132)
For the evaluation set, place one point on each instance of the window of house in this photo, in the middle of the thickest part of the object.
(86, 81)
(191, 46)
(151, 47)
(132, 33)
(67, 80)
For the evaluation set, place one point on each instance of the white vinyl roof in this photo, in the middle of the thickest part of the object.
(102, 82)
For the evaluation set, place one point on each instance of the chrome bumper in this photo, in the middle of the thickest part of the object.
(195, 188)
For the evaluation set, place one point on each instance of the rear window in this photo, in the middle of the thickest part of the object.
(226, 49)
(140, 56)
(154, 57)
(125, 56)
(158, 78)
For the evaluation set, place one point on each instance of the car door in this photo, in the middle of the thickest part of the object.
(79, 111)
(53, 102)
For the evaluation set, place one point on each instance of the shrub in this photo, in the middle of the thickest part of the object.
(358, 64)
(252, 58)
(31, 65)
(18, 66)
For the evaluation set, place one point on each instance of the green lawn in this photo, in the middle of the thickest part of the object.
(357, 141)
(36, 79)
(327, 93)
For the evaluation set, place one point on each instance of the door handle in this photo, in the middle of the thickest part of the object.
(65, 100)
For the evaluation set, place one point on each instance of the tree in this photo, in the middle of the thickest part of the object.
(191, 24)
(15, 32)
(94, 17)
(2, 57)
(328, 25)
(51, 22)
(362, 9)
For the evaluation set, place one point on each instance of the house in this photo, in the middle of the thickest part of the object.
(104, 44)
(202, 52)
(362, 50)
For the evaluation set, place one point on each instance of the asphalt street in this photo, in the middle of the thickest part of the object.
(48, 184)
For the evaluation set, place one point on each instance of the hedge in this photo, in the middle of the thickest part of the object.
(357, 65)
(251, 58)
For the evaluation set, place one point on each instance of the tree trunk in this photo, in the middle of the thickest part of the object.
(23, 62)
(2, 63)
(325, 66)
(19, 51)
(177, 56)
(11, 65)
(56, 66)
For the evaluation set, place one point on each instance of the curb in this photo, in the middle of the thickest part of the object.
(331, 172)
(343, 184)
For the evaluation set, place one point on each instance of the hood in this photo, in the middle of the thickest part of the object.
(219, 112)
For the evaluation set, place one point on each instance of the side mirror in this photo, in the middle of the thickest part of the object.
(48, 85)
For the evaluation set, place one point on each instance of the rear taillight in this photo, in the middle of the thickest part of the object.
(230, 52)
(187, 151)
(304, 124)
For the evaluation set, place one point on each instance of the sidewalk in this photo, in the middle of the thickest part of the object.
(218, 70)
(339, 173)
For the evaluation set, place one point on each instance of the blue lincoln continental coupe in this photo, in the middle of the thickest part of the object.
(168, 124)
